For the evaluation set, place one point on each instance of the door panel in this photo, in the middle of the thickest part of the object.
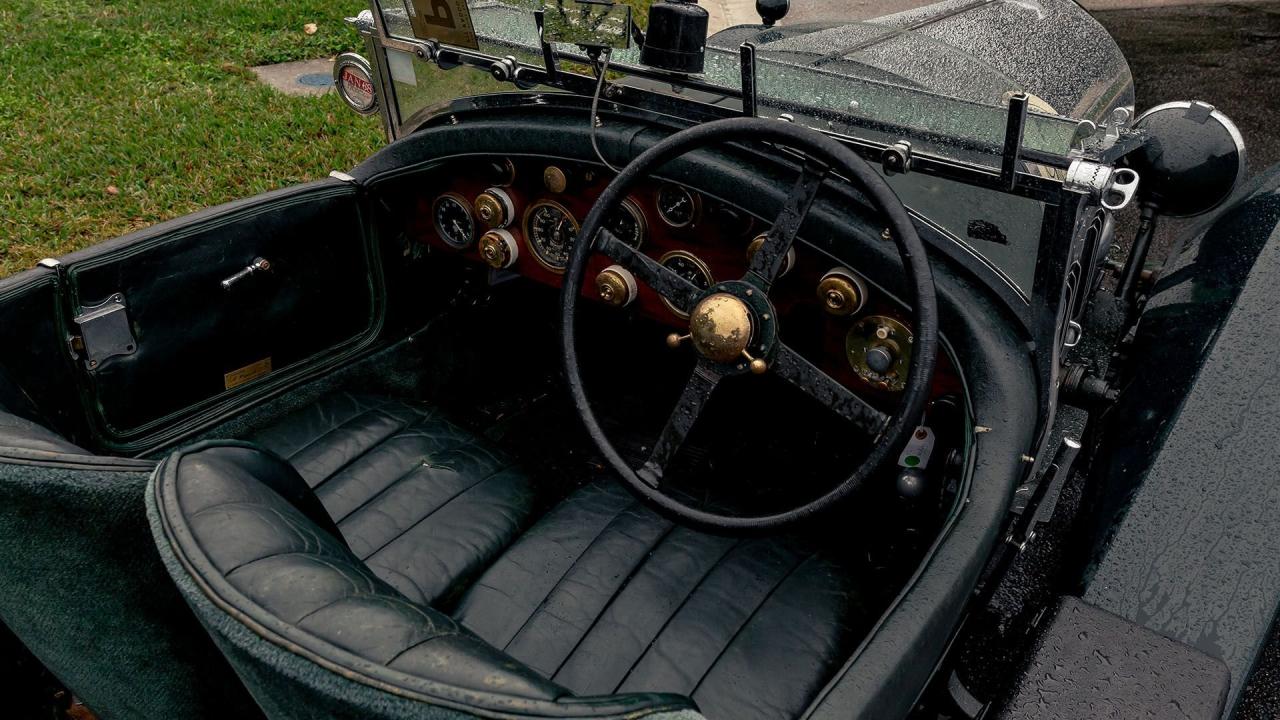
(193, 346)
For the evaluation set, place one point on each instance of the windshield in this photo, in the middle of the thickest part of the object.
(940, 73)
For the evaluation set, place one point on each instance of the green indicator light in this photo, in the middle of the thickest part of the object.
(911, 461)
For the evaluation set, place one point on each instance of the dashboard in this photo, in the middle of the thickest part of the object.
(523, 216)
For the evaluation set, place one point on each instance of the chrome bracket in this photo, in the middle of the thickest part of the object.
(1113, 187)
(896, 158)
(105, 331)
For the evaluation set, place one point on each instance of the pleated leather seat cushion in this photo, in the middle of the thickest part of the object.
(423, 503)
(603, 595)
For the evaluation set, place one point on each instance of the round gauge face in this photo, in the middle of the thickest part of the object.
(453, 221)
(627, 222)
(676, 205)
(550, 231)
(691, 268)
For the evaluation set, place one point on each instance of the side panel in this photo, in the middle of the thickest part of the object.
(1186, 514)
(86, 592)
(37, 378)
(195, 343)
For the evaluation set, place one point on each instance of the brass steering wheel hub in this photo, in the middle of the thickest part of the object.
(720, 327)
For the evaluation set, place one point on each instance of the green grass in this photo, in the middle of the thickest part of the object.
(154, 99)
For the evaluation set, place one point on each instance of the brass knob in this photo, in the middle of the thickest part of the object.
(675, 339)
(555, 179)
(840, 293)
(495, 208)
(758, 366)
(498, 249)
(616, 286)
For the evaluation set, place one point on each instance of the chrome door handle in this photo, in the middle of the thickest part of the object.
(259, 264)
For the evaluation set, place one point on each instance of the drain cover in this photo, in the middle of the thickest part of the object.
(316, 79)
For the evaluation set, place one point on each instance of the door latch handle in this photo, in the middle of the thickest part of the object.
(259, 264)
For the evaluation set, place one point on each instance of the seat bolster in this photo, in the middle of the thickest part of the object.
(219, 472)
(300, 589)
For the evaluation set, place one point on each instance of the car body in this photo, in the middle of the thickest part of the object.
(321, 452)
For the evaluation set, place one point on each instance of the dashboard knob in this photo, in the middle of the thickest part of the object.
(880, 358)
(616, 286)
(841, 293)
(555, 179)
(498, 248)
(495, 208)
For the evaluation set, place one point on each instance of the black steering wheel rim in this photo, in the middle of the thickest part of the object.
(920, 295)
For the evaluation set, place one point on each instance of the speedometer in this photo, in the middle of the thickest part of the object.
(691, 268)
(451, 214)
(550, 230)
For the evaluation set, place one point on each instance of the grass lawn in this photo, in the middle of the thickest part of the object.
(116, 114)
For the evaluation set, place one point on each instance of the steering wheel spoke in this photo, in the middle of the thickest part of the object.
(767, 262)
(696, 393)
(679, 292)
(825, 389)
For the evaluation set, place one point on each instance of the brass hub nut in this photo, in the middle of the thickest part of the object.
(721, 327)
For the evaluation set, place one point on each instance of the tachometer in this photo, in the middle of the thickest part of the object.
(691, 268)
(677, 206)
(452, 215)
(550, 230)
(627, 222)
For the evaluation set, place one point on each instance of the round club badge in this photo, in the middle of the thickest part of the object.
(354, 79)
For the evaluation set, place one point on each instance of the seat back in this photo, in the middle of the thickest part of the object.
(308, 627)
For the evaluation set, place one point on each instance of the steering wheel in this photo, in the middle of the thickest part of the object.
(734, 327)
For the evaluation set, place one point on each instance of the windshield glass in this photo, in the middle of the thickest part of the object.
(938, 74)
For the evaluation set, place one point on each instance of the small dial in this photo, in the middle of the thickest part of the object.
(627, 222)
(550, 231)
(677, 206)
(691, 268)
(453, 221)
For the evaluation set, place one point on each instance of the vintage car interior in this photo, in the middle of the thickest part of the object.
(448, 478)
(551, 408)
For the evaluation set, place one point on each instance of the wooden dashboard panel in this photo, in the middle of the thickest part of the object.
(719, 236)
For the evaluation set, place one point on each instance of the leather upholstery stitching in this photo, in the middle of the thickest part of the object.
(429, 515)
(676, 612)
(745, 623)
(357, 456)
(640, 564)
(569, 570)
(334, 428)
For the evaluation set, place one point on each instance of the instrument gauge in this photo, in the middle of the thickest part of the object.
(691, 268)
(628, 224)
(677, 206)
(550, 230)
(451, 214)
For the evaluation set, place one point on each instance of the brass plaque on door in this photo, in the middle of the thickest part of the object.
(252, 371)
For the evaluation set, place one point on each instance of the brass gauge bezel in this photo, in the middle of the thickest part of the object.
(435, 223)
(698, 263)
(528, 232)
(694, 198)
(633, 208)
(876, 330)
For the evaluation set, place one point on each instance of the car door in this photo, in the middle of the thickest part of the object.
(180, 324)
